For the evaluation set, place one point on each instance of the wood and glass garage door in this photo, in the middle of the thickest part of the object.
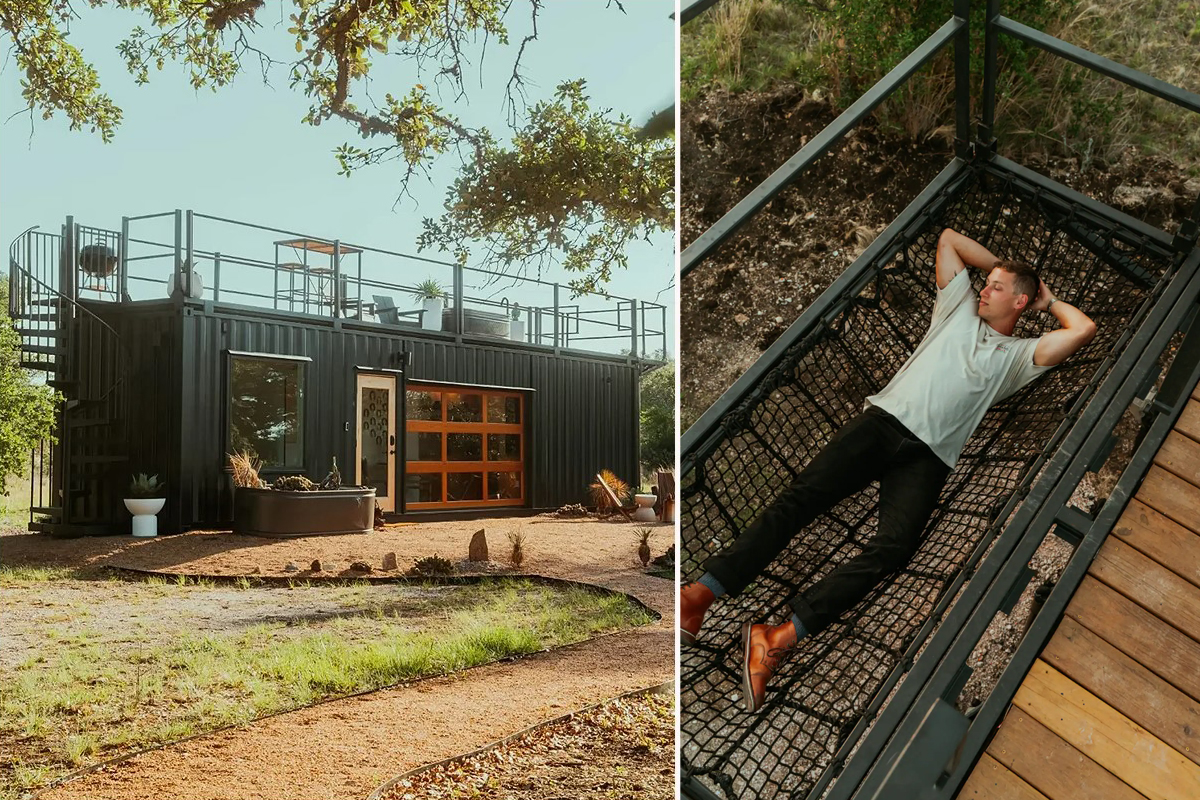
(464, 447)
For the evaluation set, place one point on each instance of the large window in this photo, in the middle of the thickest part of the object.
(266, 409)
(463, 447)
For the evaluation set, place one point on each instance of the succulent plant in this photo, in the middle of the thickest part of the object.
(294, 483)
(144, 485)
(644, 545)
(432, 565)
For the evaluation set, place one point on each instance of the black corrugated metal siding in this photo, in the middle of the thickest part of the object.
(583, 411)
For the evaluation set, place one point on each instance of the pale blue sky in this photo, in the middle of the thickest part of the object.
(242, 152)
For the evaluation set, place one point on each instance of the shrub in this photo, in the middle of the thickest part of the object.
(432, 565)
(657, 418)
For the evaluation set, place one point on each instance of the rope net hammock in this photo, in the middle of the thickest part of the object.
(832, 682)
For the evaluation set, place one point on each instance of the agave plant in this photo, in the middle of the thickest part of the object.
(144, 485)
(429, 289)
(644, 545)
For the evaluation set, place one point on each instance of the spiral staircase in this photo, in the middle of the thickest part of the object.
(77, 478)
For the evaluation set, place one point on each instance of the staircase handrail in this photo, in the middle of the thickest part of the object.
(14, 310)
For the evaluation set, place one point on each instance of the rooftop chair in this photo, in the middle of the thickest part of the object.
(387, 313)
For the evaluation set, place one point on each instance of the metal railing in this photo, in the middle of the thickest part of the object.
(890, 751)
(176, 254)
(44, 286)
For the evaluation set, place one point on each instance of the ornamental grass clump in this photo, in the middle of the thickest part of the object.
(601, 499)
(245, 471)
(516, 556)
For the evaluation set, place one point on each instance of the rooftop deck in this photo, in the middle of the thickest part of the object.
(287, 272)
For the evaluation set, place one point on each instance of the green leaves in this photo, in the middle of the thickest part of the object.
(29, 410)
(573, 188)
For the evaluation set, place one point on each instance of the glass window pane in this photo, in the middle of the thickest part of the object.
(506, 410)
(464, 407)
(423, 405)
(267, 410)
(504, 485)
(504, 447)
(464, 447)
(423, 488)
(423, 446)
(464, 486)
(373, 439)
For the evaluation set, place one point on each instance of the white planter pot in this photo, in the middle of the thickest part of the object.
(645, 510)
(431, 320)
(145, 523)
(516, 330)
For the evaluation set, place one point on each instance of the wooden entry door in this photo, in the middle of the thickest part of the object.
(376, 449)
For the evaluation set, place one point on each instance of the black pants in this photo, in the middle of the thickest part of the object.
(872, 446)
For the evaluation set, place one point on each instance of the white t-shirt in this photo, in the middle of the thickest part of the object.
(957, 372)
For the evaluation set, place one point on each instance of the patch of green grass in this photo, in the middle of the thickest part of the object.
(84, 700)
(10, 573)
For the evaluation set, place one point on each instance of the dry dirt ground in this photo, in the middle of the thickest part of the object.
(346, 748)
(738, 302)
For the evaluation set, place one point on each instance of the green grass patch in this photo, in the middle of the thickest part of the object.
(83, 700)
(26, 574)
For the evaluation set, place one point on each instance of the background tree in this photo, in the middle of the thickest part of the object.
(658, 417)
(26, 410)
(337, 44)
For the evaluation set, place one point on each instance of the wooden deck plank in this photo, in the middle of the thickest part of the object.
(1189, 421)
(1167, 542)
(1180, 456)
(1051, 766)
(1106, 736)
(1149, 584)
(990, 780)
(1136, 632)
(1172, 496)
(1127, 686)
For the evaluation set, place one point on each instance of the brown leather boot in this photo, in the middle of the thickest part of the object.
(694, 600)
(763, 648)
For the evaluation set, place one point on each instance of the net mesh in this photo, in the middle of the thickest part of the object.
(825, 689)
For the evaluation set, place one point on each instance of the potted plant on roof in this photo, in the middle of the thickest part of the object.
(144, 502)
(516, 328)
(433, 299)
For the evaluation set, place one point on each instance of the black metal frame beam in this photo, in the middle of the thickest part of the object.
(975, 608)
(1184, 373)
(708, 242)
(689, 11)
(1105, 66)
(831, 302)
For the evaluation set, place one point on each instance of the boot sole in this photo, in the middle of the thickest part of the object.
(687, 638)
(747, 689)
